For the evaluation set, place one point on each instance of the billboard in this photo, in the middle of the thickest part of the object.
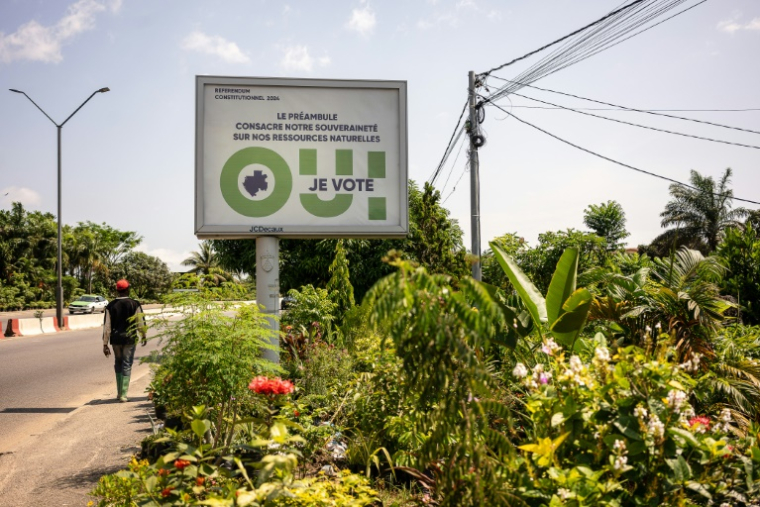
(300, 158)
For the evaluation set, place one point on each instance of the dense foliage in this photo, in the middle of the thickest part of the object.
(94, 257)
(576, 374)
(434, 241)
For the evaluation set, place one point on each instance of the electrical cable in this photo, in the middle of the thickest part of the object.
(464, 171)
(453, 164)
(601, 37)
(644, 110)
(611, 14)
(624, 108)
(621, 163)
(446, 153)
(639, 125)
(594, 41)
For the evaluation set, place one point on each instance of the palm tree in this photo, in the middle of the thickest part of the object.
(203, 261)
(700, 214)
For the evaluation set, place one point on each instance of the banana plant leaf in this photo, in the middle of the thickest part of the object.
(569, 325)
(562, 284)
(519, 323)
(528, 292)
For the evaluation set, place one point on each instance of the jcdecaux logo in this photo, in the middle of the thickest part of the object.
(277, 193)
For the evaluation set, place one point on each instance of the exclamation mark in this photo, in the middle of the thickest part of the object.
(376, 169)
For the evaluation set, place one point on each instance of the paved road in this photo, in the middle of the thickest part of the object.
(60, 426)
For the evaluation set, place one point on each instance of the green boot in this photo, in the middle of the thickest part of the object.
(124, 388)
(118, 385)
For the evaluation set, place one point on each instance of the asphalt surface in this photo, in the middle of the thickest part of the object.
(61, 427)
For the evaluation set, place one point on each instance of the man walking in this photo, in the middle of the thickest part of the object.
(123, 324)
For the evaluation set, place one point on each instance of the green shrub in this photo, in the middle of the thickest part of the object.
(622, 430)
(193, 473)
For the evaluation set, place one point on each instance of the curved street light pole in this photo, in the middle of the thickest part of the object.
(59, 286)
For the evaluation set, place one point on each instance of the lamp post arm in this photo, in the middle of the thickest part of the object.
(38, 107)
(77, 109)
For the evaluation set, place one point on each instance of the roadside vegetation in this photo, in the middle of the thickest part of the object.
(575, 374)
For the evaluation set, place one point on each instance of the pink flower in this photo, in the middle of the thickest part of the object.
(700, 423)
(270, 386)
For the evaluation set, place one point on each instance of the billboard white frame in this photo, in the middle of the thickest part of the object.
(246, 227)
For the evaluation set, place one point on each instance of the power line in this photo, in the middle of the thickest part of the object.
(446, 153)
(624, 108)
(611, 14)
(464, 171)
(639, 125)
(601, 37)
(643, 110)
(453, 164)
(621, 163)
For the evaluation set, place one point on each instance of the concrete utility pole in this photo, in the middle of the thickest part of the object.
(268, 288)
(476, 140)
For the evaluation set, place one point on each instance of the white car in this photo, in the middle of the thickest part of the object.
(88, 303)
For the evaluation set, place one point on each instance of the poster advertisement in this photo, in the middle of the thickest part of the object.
(300, 158)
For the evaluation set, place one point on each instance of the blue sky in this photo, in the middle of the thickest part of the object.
(128, 155)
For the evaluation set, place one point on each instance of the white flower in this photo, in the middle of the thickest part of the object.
(640, 412)
(725, 416)
(692, 365)
(675, 399)
(655, 428)
(602, 354)
(575, 364)
(658, 326)
(620, 463)
(563, 493)
(619, 447)
(648, 329)
(549, 347)
(520, 371)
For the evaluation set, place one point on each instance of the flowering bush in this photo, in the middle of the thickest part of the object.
(270, 386)
(192, 474)
(622, 430)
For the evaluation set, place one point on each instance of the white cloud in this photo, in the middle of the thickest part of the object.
(324, 61)
(35, 42)
(450, 17)
(297, 58)
(25, 196)
(733, 25)
(214, 45)
(362, 20)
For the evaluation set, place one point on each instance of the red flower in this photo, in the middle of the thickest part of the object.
(163, 472)
(700, 419)
(270, 386)
(199, 481)
(181, 464)
(296, 413)
(166, 491)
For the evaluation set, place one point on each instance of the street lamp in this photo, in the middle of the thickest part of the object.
(59, 286)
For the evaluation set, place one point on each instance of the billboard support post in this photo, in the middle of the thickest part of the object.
(298, 159)
(268, 289)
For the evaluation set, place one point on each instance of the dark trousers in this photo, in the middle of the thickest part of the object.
(123, 356)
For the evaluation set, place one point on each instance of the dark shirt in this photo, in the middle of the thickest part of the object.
(119, 328)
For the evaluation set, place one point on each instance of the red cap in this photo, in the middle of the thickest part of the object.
(122, 284)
